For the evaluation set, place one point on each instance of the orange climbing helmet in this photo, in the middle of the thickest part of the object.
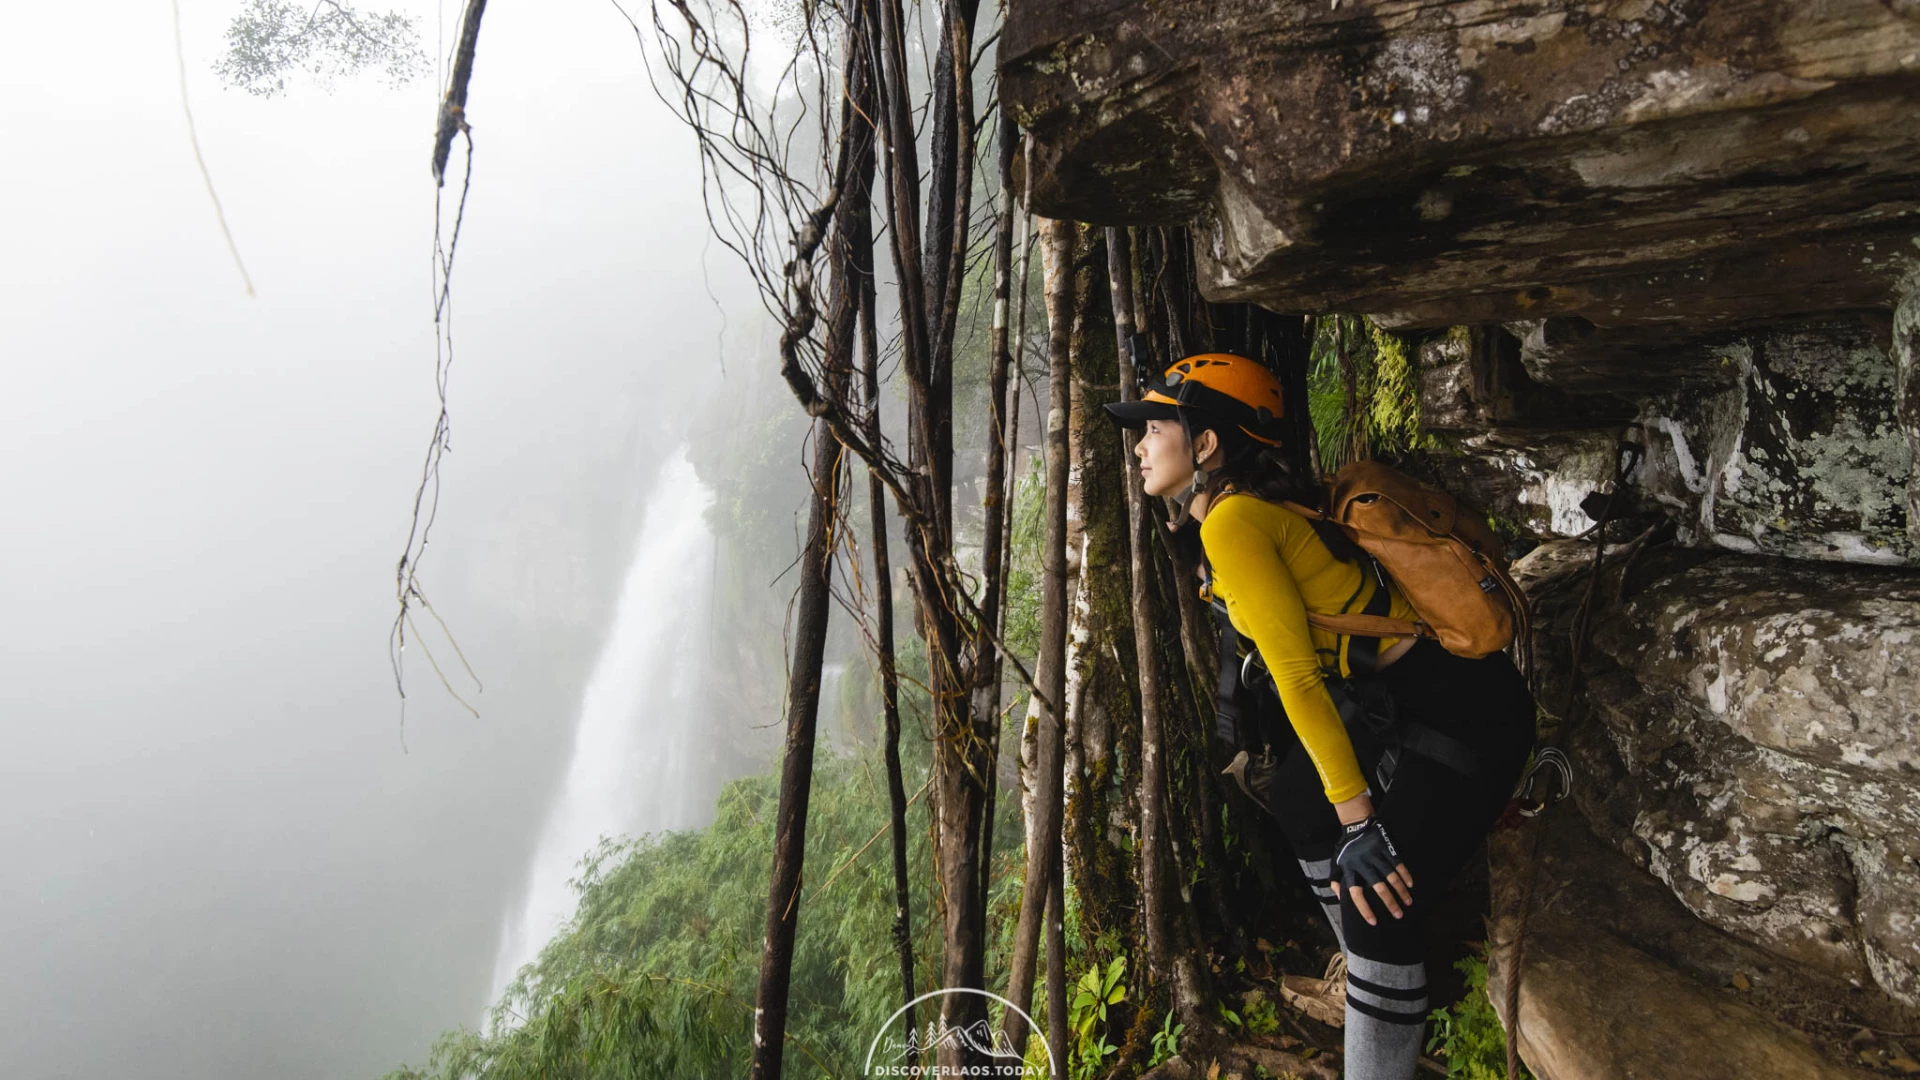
(1216, 385)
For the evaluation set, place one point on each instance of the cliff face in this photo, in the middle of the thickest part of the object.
(1697, 222)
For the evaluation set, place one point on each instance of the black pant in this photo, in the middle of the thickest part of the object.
(1436, 815)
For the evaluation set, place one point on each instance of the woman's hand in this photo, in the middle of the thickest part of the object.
(1367, 860)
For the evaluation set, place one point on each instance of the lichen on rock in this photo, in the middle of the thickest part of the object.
(1802, 454)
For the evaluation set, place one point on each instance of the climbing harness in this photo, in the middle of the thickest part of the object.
(1366, 707)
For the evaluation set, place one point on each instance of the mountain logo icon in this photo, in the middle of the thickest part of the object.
(918, 1053)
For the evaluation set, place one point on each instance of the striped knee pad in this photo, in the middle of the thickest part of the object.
(1386, 1016)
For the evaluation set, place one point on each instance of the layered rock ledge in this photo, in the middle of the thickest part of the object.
(1436, 162)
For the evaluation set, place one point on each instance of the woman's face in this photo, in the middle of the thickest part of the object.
(1166, 459)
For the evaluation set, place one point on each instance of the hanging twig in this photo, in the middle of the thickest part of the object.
(426, 497)
(193, 137)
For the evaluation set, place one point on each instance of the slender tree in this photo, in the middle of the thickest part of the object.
(1146, 648)
(1058, 264)
(986, 675)
(1043, 832)
(883, 638)
(850, 232)
(796, 771)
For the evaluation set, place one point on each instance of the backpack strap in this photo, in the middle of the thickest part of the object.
(1363, 650)
(1369, 625)
(1228, 721)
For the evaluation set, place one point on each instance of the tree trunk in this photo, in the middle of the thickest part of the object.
(883, 25)
(1103, 733)
(1153, 780)
(994, 510)
(1043, 829)
(796, 769)
(949, 201)
(959, 760)
(883, 639)
(852, 231)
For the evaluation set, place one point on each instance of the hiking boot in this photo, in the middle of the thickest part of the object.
(1323, 999)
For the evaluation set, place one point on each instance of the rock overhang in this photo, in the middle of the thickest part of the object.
(1628, 162)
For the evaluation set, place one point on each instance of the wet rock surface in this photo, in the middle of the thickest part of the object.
(1530, 483)
(1906, 399)
(1570, 353)
(1474, 379)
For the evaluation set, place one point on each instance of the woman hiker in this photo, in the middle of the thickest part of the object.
(1370, 823)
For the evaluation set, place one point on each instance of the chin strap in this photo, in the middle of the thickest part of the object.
(1184, 501)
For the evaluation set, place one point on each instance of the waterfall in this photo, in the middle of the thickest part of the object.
(641, 717)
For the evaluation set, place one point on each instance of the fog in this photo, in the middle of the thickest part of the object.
(224, 856)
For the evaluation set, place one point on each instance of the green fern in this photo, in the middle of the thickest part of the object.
(1363, 392)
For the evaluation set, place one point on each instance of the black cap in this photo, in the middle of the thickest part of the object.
(1135, 414)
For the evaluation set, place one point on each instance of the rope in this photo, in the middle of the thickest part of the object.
(1626, 456)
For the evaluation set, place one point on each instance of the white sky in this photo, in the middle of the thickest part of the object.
(217, 860)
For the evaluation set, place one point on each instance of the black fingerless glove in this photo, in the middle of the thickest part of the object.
(1366, 855)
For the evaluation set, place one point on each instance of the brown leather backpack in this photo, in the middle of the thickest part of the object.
(1443, 556)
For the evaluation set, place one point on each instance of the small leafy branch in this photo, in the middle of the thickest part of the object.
(268, 39)
(1363, 392)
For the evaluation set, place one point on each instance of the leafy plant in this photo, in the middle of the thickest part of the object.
(1261, 1015)
(1087, 1016)
(655, 975)
(1166, 1041)
(1468, 1036)
(1024, 570)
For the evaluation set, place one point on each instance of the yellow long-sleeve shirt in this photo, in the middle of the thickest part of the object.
(1271, 568)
